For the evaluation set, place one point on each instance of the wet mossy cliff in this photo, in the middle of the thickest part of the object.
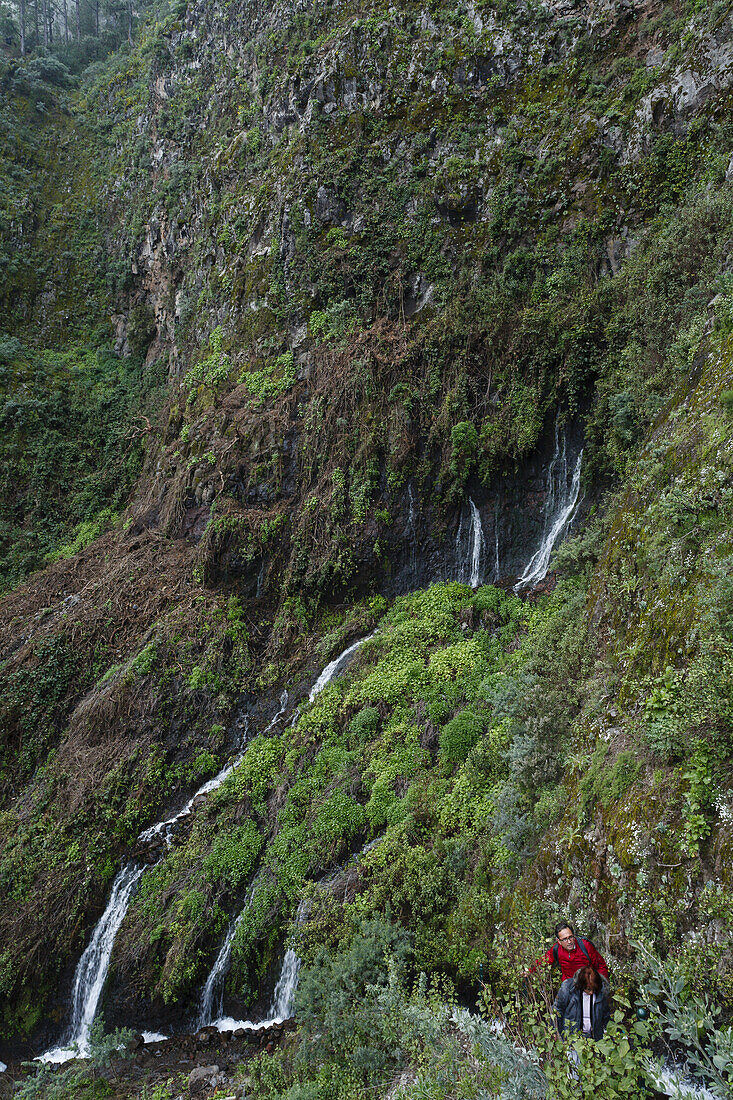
(285, 287)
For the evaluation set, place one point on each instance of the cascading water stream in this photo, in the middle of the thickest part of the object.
(283, 996)
(412, 532)
(283, 707)
(165, 829)
(332, 670)
(92, 968)
(469, 556)
(563, 491)
(214, 987)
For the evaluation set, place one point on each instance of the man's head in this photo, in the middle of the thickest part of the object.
(565, 935)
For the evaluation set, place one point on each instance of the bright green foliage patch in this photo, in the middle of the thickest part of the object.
(70, 448)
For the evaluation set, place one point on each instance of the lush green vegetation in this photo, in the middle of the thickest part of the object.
(257, 280)
(71, 448)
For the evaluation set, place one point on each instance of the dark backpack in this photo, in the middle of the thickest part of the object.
(581, 945)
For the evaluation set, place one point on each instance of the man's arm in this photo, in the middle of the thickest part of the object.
(546, 958)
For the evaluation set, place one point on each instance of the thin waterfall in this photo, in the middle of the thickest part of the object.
(91, 971)
(280, 713)
(497, 572)
(469, 547)
(214, 985)
(332, 670)
(92, 968)
(412, 532)
(283, 996)
(165, 829)
(563, 491)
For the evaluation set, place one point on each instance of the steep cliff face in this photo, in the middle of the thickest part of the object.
(356, 272)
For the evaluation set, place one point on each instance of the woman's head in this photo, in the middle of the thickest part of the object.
(587, 980)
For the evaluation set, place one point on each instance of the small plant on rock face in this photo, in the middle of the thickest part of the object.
(464, 441)
(214, 367)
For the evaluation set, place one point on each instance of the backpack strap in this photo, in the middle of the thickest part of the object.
(581, 945)
(583, 948)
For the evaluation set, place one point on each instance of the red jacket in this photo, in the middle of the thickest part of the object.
(570, 961)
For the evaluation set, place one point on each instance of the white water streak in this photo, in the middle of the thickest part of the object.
(92, 968)
(336, 666)
(165, 829)
(559, 507)
(469, 558)
(215, 982)
(412, 531)
(280, 713)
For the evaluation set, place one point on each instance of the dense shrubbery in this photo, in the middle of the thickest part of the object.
(502, 751)
(70, 451)
(511, 1052)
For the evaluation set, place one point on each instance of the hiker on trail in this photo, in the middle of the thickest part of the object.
(583, 1005)
(570, 953)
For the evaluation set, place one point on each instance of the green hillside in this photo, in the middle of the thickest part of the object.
(294, 296)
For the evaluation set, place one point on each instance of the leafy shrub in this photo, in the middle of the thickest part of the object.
(232, 856)
(337, 1019)
(212, 368)
(10, 348)
(690, 1020)
(625, 770)
(665, 728)
(460, 735)
(273, 379)
(464, 443)
(51, 1082)
(364, 724)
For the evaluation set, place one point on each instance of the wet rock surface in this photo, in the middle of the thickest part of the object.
(198, 1065)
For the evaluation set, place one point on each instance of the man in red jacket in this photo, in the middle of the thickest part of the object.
(571, 953)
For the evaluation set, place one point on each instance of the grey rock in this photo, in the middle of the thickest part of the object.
(202, 1078)
(328, 207)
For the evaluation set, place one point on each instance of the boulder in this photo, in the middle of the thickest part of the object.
(201, 1079)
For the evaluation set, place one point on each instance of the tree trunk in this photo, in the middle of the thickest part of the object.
(45, 22)
(129, 21)
(78, 21)
(96, 16)
(66, 21)
(35, 13)
(21, 5)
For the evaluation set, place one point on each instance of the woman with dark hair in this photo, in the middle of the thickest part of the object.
(582, 1004)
